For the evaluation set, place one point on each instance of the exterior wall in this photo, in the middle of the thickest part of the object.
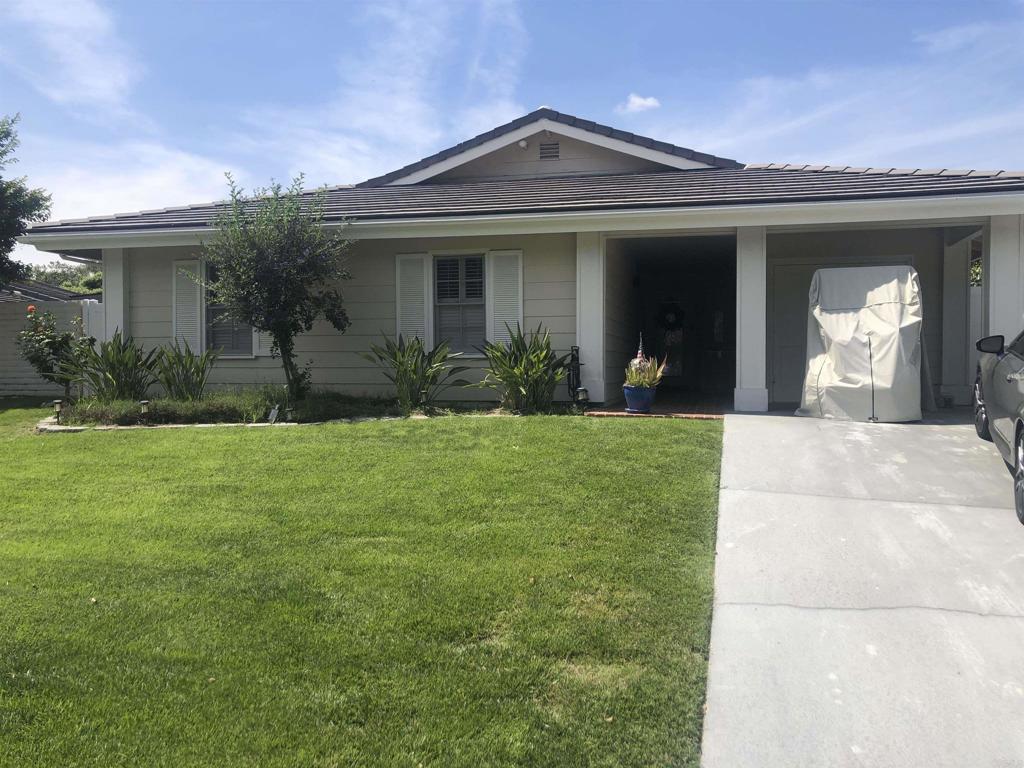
(621, 325)
(549, 298)
(16, 376)
(575, 157)
(792, 260)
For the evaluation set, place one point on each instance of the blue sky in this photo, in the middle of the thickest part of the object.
(134, 105)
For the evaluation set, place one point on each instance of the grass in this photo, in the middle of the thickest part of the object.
(456, 591)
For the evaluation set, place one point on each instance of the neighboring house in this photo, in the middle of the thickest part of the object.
(597, 234)
(33, 290)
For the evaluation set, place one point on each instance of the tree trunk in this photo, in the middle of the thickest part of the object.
(286, 348)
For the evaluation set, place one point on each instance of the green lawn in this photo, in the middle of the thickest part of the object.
(460, 591)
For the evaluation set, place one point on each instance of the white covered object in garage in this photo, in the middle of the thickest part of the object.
(864, 345)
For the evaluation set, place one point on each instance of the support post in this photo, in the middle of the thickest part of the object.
(1003, 275)
(751, 393)
(115, 292)
(957, 377)
(590, 277)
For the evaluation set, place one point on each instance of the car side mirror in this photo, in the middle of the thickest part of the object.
(992, 345)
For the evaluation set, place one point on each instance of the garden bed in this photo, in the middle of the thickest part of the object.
(245, 406)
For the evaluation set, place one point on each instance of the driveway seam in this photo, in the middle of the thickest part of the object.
(868, 608)
(861, 498)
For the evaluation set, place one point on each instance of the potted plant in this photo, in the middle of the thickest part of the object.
(643, 374)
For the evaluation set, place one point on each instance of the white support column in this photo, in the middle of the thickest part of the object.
(956, 374)
(590, 276)
(751, 392)
(1004, 275)
(115, 292)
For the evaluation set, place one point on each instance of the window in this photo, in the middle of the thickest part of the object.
(232, 338)
(459, 316)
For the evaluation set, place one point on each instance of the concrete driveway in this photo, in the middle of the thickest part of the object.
(869, 599)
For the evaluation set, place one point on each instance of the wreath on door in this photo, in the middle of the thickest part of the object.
(670, 316)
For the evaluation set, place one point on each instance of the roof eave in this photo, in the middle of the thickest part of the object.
(938, 208)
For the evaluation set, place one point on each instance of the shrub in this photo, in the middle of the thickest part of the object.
(182, 373)
(525, 371)
(250, 406)
(419, 375)
(52, 352)
(119, 370)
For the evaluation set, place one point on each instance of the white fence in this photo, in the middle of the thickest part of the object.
(18, 377)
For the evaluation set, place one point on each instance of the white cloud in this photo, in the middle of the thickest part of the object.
(637, 103)
(929, 111)
(87, 178)
(71, 52)
(393, 102)
(952, 38)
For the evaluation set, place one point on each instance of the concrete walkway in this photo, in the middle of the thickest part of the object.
(869, 599)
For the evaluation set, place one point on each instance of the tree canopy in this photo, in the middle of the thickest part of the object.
(275, 267)
(19, 204)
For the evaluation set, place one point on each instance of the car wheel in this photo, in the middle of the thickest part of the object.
(1018, 478)
(981, 425)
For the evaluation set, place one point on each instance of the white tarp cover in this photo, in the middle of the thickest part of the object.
(864, 345)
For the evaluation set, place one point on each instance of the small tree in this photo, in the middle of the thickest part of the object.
(52, 352)
(19, 205)
(277, 269)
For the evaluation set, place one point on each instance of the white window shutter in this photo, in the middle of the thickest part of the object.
(413, 302)
(504, 275)
(187, 304)
(261, 343)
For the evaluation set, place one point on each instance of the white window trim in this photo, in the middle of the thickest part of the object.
(428, 293)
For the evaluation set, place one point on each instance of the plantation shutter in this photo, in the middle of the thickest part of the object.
(412, 277)
(504, 274)
(187, 300)
(261, 343)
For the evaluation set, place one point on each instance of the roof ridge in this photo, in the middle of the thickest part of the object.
(883, 170)
(547, 113)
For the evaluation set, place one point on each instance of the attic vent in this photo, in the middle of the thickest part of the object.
(549, 151)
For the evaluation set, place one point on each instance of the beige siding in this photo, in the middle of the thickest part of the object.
(549, 298)
(16, 376)
(575, 157)
(795, 256)
(621, 324)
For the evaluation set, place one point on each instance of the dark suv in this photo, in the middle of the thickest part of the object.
(999, 405)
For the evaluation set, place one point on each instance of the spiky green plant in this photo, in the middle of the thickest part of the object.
(419, 375)
(183, 373)
(645, 372)
(118, 370)
(525, 371)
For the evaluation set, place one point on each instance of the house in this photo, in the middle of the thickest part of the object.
(599, 235)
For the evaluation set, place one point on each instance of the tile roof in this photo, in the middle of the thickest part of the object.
(751, 185)
(546, 113)
(33, 290)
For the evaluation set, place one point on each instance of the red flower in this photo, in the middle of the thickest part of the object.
(31, 309)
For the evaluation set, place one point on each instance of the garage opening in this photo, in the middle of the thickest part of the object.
(680, 294)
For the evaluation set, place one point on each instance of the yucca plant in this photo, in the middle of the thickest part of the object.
(183, 373)
(118, 370)
(525, 371)
(419, 375)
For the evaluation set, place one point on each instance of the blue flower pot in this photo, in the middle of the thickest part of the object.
(638, 399)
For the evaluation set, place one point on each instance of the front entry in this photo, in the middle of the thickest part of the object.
(679, 294)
